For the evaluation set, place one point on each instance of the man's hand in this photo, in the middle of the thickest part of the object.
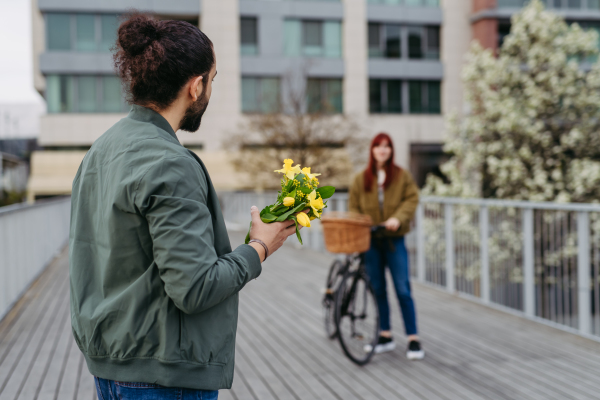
(392, 224)
(273, 234)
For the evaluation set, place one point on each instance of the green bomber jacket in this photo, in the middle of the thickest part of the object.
(400, 200)
(154, 281)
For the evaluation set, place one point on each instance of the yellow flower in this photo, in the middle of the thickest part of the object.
(288, 170)
(288, 201)
(306, 171)
(316, 204)
(303, 219)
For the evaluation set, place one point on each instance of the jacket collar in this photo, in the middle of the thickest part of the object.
(144, 114)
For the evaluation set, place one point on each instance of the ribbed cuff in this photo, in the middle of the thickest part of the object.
(252, 258)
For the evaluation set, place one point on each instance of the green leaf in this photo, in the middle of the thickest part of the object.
(326, 191)
(267, 218)
(293, 194)
(305, 190)
(248, 234)
(265, 210)
(285, 216)
(297, 230)
(280, 211)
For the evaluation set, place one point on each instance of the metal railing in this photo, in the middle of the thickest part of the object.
(538, 260)
(30, 237)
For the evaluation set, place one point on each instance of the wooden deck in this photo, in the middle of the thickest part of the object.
(472, 352)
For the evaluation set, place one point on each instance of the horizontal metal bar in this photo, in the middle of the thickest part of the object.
(545, 205)
(27, 206)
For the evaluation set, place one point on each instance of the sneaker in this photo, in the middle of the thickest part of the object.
(414, 351)
(383, 344)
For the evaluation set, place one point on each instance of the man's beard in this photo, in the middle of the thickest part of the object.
(193, 115)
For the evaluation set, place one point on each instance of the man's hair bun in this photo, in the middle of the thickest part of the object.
(154, 58)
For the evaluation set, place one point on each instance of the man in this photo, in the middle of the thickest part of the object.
(154, 282)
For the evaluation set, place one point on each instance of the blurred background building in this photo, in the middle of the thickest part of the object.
(393, 65)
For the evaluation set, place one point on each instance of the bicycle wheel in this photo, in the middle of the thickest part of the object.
(357, 317)
(333, 278)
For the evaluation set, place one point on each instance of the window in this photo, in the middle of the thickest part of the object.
(81, 32)
(84, 94)
(385, 41)
(324, 95)
(388, 96)
(58, 31)
(108, 31)
(249, 36)
(312, 38)
(385, 96)
(424, 97)
(260, 95)
(410, 3)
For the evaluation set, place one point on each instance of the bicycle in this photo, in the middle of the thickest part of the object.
(350, 307)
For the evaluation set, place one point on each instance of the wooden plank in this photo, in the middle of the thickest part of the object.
(20, 348)
(87, 386)
(26, 363)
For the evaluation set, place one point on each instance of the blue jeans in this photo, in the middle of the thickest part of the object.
(112, 390)
(396, 258)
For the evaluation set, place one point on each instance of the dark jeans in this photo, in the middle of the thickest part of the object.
(396, 258)
(112, 390)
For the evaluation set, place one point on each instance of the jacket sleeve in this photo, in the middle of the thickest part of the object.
(172, 196)
(354, 196)
(410, 200)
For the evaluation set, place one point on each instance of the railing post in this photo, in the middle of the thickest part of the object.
(583, 271)
(420, 232)
(449, 233)
(528, 263)
(485, 260)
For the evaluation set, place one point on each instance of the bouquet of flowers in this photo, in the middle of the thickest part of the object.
(299, 191)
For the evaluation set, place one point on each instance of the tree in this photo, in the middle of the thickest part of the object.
(533, 130)
(303, 127)
(532, 133)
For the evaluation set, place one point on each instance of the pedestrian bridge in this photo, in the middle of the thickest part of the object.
(492, 334)
(472, 351)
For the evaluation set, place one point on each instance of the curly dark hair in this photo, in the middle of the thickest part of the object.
(154, 59)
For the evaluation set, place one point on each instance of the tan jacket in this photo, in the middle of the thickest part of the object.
(400, 200)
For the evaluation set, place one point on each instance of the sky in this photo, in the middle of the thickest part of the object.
(16, 58)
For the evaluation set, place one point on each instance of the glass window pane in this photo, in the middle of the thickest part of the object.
(86, 32)
(58, 31)
(109, 25)
(312, 33)
(249, 36)
(333, 100)
(375, 95)
(414, 2)
(574, 3)
(415, 98)
(392, 41)
(292, 33)
(415, 45)
(59, 93)
(249, 94)
(269, 95)
(312, 38)
(433, 43)
(375, 50)
(86, 94)
(434, 98)
(313, 95)
(394, 94)
(594, 4)
(112, 98)
(333, 38)
(53, 93)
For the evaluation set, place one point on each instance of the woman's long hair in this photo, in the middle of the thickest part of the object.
(391, 169)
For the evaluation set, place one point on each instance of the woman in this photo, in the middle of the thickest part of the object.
(388, 194)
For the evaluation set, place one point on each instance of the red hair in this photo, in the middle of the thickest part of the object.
(391, 169)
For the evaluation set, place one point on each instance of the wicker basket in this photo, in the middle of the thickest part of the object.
(346, 232)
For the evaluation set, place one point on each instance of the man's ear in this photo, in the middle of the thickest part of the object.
(196, 87)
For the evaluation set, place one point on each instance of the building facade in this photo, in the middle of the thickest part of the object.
(393, 65)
